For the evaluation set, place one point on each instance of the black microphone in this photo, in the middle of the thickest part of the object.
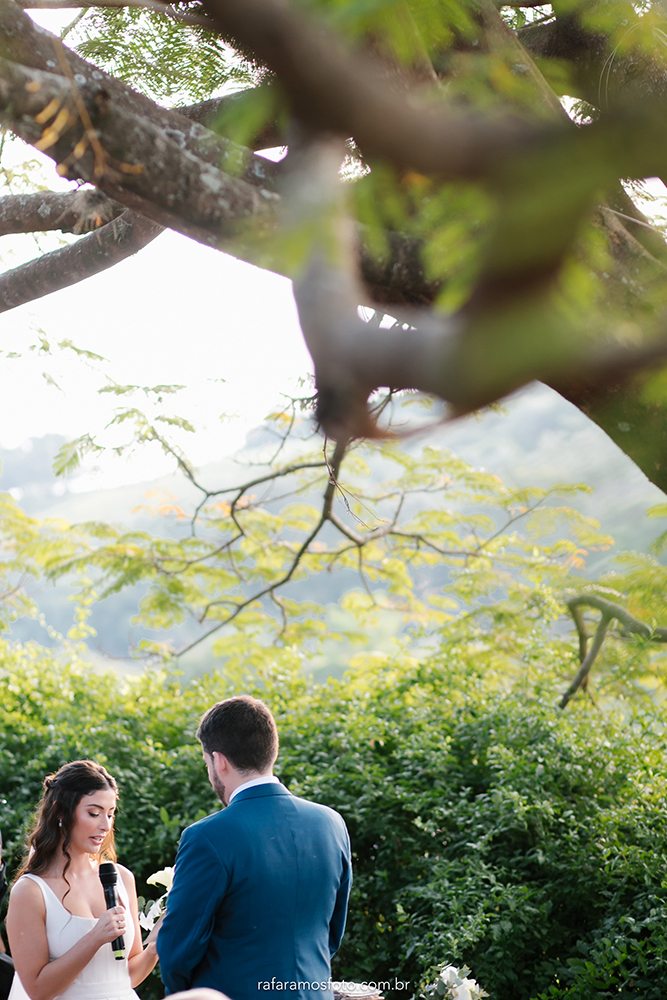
(108, 878)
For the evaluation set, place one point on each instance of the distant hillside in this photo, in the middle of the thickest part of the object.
(537, 439)
(540, 439)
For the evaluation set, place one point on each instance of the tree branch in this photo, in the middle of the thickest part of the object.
(152, 5)
(397, 277)
(581, 631)
(330, 89)
(182, 200)
(436, 354)
(622, 78)
(25, 43)
(610, 611)
(329, 493)
(69, 212)
(81, 211)
(432, 352)
(94, 253)
(631, 625)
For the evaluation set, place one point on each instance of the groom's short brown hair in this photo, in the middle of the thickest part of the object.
(242, 729)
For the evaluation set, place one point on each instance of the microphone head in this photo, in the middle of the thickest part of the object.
(107, 873)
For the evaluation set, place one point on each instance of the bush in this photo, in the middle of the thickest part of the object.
(491, 830)
(488, 829)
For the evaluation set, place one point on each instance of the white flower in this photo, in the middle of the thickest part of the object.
(455, 984)
(467, 990)
(164, 877)
(148, 919)
(450, 976)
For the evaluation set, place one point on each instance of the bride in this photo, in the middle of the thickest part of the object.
(59, 928)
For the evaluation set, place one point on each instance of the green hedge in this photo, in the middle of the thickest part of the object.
(487, 827)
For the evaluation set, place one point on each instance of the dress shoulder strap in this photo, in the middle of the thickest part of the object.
(121, 889)
(42, 884)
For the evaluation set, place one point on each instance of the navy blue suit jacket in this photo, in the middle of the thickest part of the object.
(259, 899)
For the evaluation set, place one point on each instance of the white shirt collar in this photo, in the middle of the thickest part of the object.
(267, 779)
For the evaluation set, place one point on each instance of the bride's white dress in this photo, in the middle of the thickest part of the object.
(104, 978)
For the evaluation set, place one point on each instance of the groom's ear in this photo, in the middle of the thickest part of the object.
(220, 763)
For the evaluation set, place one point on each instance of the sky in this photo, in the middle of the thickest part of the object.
(176, 313)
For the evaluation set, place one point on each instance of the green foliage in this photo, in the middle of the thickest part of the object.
(422, 542)
(433, 542)
(57, 711)
(660, 544)
(155, 55)
(249, 113)
(487, 828)
(68, 458)
(28, 547)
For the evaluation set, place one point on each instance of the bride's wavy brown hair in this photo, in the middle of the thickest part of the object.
(54, 818)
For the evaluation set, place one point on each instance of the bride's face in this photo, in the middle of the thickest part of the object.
(93, 819)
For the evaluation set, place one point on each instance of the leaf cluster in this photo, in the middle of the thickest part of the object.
(155, 55)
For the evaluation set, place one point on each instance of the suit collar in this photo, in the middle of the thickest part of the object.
(258, 792)
(264, 779)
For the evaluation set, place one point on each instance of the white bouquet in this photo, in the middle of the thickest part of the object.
(454, 983)
(154, 908)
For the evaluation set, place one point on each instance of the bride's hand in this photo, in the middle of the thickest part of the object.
(111, 924)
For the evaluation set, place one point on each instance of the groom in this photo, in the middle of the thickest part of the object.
(260, 889)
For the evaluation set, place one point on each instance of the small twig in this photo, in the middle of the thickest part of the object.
(242, 577)
(635, 222)
(240, 490)
(285, 435)
(334, 465)
(579, 621)
(276, 474)
(363, 575)
(183, 465)
(344, 493)
(333, 480)
(13, 590)
(187, 563)
(589, 660)
(233, 513)
(463, 553)
(73, 23)
(279, 604)
(514, 518)
(348, 532)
